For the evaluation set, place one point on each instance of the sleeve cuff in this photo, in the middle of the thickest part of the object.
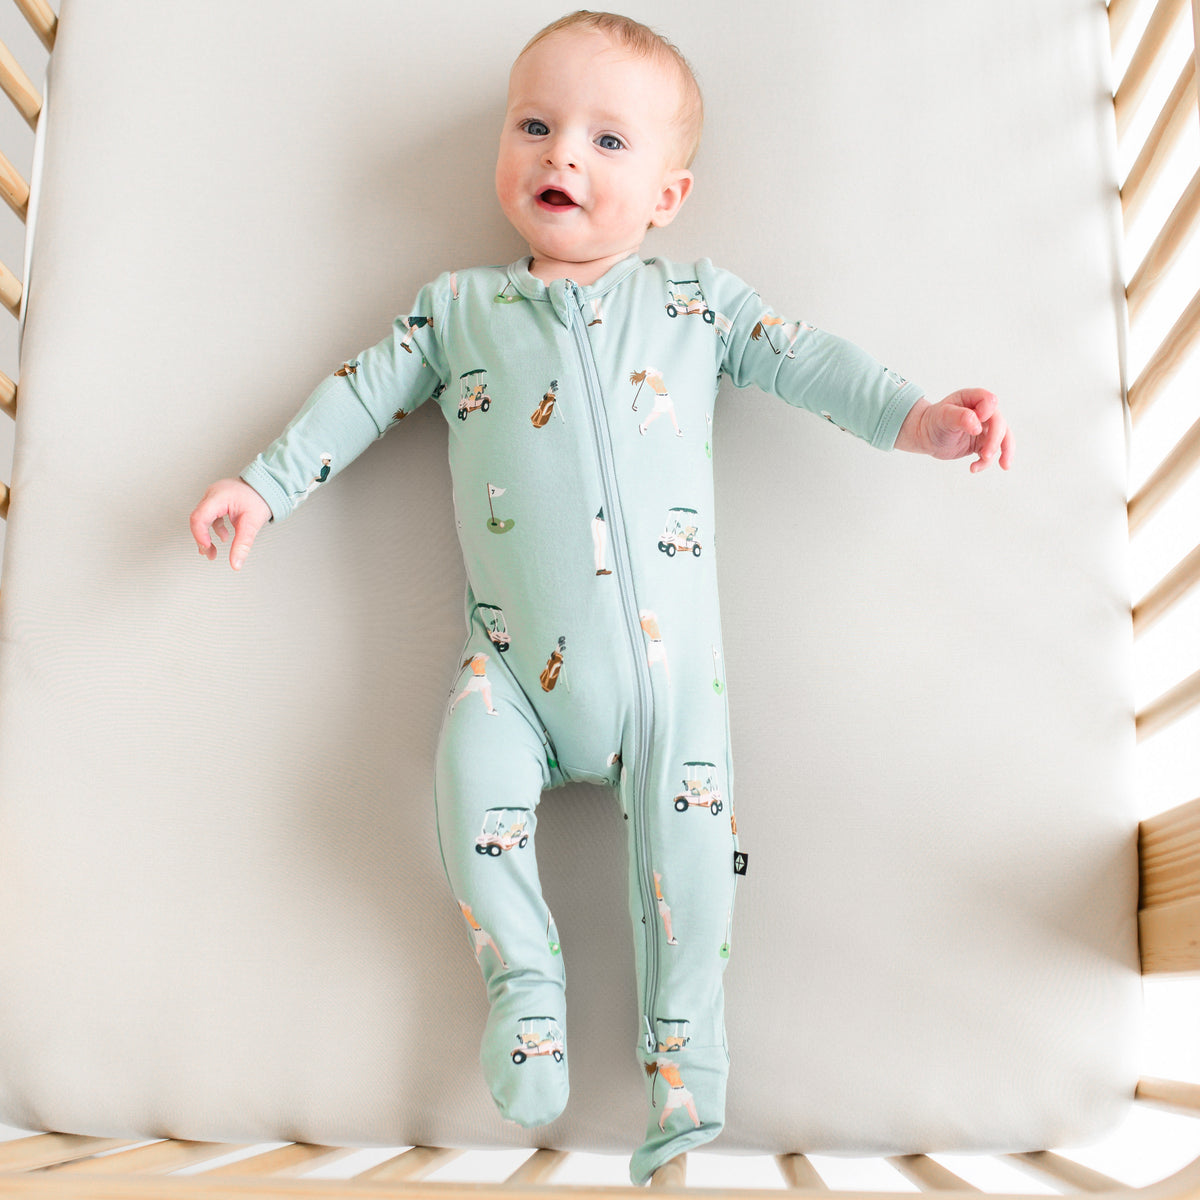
(893, 416)
(261, 480)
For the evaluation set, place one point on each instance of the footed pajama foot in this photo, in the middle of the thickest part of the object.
(524, 1056)
(686, 1089)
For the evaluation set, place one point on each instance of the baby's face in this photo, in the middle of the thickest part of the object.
(588, 153)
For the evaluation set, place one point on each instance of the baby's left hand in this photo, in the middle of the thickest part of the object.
(966, 422)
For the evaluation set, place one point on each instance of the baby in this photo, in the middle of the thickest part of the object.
(586, 525)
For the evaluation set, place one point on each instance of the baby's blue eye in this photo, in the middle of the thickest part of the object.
(609, 141)
(537, 128)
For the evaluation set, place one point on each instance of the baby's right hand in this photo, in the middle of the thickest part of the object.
(245, 509)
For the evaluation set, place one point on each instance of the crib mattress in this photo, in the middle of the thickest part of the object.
(222, 911)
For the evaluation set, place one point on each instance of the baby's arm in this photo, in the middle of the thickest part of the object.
(811, 368)
(348, 410)
(966, 422)
(229, 502)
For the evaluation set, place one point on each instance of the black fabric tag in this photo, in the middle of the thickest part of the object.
(741, 860)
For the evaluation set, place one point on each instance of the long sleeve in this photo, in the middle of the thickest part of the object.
(355, 405)
(805, 366)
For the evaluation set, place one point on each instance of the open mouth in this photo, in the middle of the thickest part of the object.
(553, 198)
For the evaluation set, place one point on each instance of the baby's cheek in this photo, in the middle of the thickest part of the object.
(506, 184)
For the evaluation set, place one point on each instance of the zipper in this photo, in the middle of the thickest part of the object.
(633, 628)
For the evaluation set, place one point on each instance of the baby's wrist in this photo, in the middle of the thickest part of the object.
(912, 431)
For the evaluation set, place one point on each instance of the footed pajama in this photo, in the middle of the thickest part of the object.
(581, 458)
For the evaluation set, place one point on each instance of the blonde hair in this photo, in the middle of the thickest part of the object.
(645, 42)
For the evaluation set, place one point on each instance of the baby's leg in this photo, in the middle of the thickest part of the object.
(490, 774)
(682, 886)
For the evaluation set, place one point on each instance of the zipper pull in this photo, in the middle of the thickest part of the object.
(570, 292)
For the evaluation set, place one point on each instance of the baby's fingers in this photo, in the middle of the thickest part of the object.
(963, 420)
(203, 515)
(994, 435)
(243, 538)
(979, 400)
(1006, 450)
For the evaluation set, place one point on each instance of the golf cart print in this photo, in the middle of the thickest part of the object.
(687, 300)
(492, 617)
(700, 788)
(672, 1034)
(539, 1035)
(503, 829)
(679, 533)
(473, 393)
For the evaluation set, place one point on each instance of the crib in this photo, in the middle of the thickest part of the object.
(1146, 38)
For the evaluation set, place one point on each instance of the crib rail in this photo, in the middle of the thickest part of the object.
(1169, 907)
(1169, 844)
(15, 190)
(1169, 22)
(66, 1166)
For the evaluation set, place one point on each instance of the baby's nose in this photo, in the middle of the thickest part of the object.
(560, 154)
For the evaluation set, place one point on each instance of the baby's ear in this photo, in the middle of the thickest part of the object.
(677, 186)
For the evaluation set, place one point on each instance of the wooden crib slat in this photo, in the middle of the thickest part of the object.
(155, 1159)
(10, 291)
(1140, 73)
(46, 1149)
(1183, 578)
(292, 1159)
(1059, 1171)
(1170, 1095)
(1169, 856)
(1196, 33)
(1167, 478)
(410, 1165)
(1176, 115)
(672, 1174)
(1171, 239)
(540, 1167)
(1169, 904)
(798, 1173)
(18, 87)
(8, 395)
(41, 18)
(13, 188)
(1170, 707)
(1120, 13)
(1169, 938)
(1166, 360)
(929, 1175)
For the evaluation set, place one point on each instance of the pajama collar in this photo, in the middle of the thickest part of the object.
(558, 292)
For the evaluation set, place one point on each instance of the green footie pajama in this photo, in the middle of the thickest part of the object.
(581, 433)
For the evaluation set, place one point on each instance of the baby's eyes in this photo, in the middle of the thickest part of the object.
(537, 128)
